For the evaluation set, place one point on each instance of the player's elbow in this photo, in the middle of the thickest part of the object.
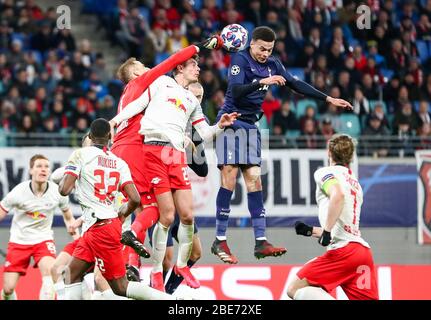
(134, 201)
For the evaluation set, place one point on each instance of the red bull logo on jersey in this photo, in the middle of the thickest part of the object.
(37, 215)
(177, 103)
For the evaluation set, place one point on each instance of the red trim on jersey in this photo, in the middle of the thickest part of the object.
(72, 174)
(149, 93)
(197, 121)
(124, 184)
(3, 208)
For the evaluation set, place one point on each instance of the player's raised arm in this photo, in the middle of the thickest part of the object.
(214, 42)
(308, 90)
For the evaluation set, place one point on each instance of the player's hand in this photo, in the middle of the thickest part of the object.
(188, 142)
(339, 103)
(325, 238)
(303, 229)
(227, 119)
(113, 125)
(214, 42)
(278, 80)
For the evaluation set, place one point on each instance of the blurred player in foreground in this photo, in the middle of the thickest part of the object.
(33, 203)
(98, 174)
(348, 261)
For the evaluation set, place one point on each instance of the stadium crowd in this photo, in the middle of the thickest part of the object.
(52, 83)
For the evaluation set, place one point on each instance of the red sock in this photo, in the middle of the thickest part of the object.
(144, 220)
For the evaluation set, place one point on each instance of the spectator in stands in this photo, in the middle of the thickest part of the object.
(24, 24)
(52, 137)
(404, 146)
(423, 113)
(306, 59)
(379, 112)
(254, 13)
(21, 82)
(407, 116)
(213, 105)
(86, 52)
(8, 118)
(26, 126)
(374, 53)
(326, 130)
(369, 87)
(99, 67)
(295, 18)
(412, 88)
(58, 114)
(284, 120)
(16, 54)
(397, 58)
(361, 105)
(310, 114)
(176, 41)
(69, 87)
(80, 129)
(424, 135)
(44, 39)
(159, 38)
(14, 97)
(308, 138)
(79, 70)
(375, 141)
(423, 27)
(390, 92)
(106, 108)
(270, 105)
(65, 36)
(209, 82)
(5, 35)
(345, 85)
(41, 99)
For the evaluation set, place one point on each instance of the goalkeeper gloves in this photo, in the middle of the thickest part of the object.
(213, 42)
(325, 238)
(303, 229)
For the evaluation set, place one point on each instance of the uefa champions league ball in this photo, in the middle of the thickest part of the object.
(234, 37)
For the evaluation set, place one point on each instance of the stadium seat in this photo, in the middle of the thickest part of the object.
(301, 106)
(161, 57)
(373, 104)
(197, 4)
(387, 73)
(350, 124)
(423, 50)
(292, 133)
(297, 72)
(145, 12)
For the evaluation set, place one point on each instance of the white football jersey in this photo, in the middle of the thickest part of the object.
(169, 110)
(32, 220)
(100, 175)
(346, 229)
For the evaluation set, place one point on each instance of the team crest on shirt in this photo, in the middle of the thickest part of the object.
(36, 215)
(235, 69)
(178, 104)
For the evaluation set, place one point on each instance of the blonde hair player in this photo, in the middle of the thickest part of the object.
(348, 262)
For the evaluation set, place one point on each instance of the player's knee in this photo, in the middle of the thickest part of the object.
(228, 179)
(291, 290)
(55, 271)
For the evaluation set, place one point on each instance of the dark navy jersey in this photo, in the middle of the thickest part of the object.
(244, 69)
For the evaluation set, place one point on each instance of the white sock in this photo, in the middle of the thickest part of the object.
(312, 293)
(110, 295)
(11, 296)
(185, 243)
(221, 238)
(160, 237)
(73, 291)
(47, 291)
(140, 291)
(86, 290)
(261, 238)
(59, 289)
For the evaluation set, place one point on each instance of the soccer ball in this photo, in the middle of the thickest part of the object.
(234, 37)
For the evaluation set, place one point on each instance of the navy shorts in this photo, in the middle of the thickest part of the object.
(173, 232)
(239, 144)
